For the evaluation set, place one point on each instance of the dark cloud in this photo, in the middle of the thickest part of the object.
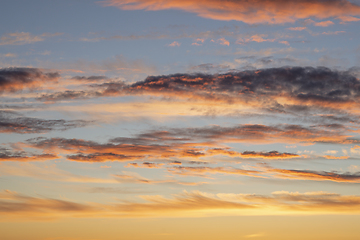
(21, 156)
(106, 89)
(91, 151)
(68, 95)
(271, 154)
(310, 92)
(12, 122)
(101, 157)
(90, 78)
(16, 79)
(301, 83)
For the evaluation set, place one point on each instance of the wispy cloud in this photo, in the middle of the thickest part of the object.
(12, 122)
(49, 173)
(17, 206)
(264, 11)
(21, 38)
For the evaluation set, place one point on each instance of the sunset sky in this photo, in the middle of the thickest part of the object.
(180, 119)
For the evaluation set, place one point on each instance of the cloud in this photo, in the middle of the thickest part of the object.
(49, 173)
(145, 165)
(193, 143)
(254, 38)
(181, 143)
(270, 155)
(223, 41)
(21, 156)
(17, 206)
(346, 19)
(297, 28)
(90, 78)
(316, 175)
(174, 44)
(324, 24)
(8, 55)
(21, 38)
(297, 83)
(12, 122)
(209, 67)
(198, 42)
(202, 171)
(251, 12)
(17, 79)
(269, 172)
(258, 134)
(131, 177)
(284, 90)
(119, 149)
(332, 33)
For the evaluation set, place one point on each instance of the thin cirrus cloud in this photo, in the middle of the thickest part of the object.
(316, 175)
(196, 203)
(21, 38)
(251, 12)
(53, 173)
(13, 122)
(257, 134)
(49, 173)
(269, 172)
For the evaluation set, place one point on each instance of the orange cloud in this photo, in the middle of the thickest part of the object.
(223, 41)
(17, 206)
(6, 155)
(324, 24)
(145, 165)
(198, 42)
(252, 11)
(48, 173)
(202, 171)
(346, 19)
(174, 44)
(297, 28)
(316, 175)
(131, 177)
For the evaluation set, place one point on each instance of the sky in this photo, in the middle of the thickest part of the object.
(169, 119)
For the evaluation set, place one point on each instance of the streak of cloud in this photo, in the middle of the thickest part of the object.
(12, 122)
(21, 38)
(17, 206)
(251, 12)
